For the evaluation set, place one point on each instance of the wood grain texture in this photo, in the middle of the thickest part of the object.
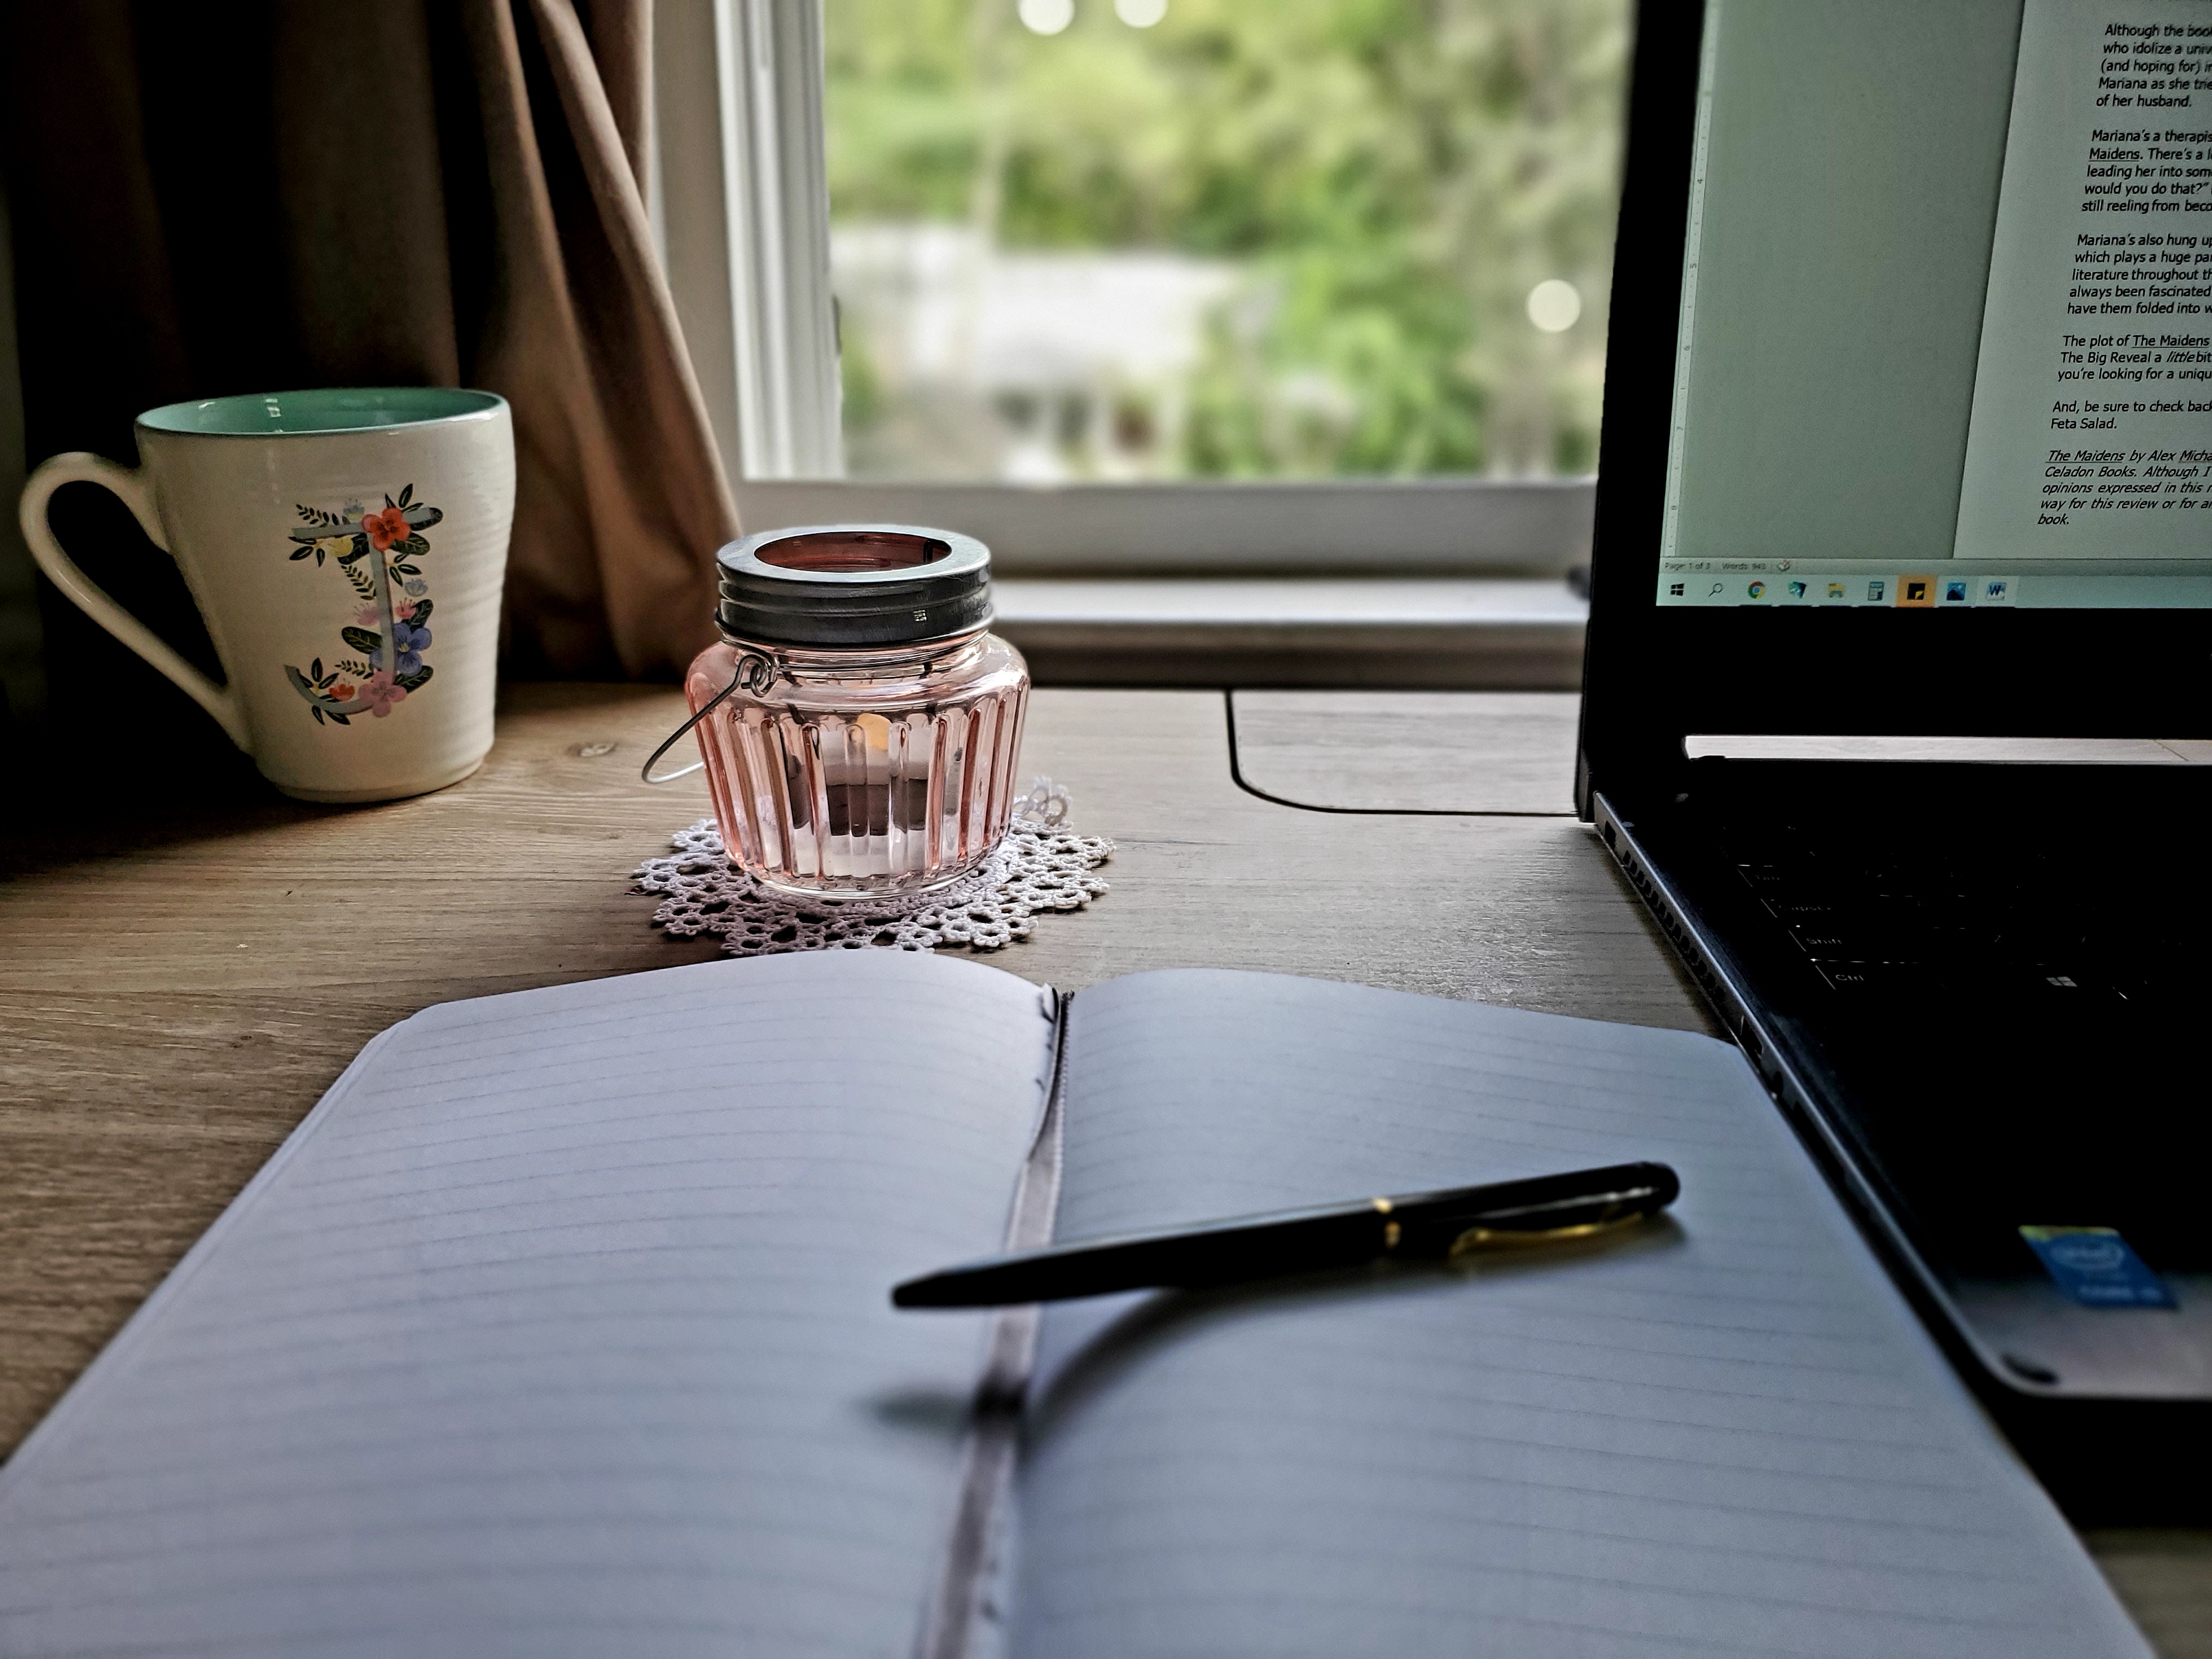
(1410, 751)
(177, 990)
(2163, 1576)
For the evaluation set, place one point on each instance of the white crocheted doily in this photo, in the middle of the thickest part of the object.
(1041, 865)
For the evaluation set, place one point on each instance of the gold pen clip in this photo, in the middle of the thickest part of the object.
(1506, 1238)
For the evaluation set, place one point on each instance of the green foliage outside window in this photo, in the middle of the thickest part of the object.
(1394, 177)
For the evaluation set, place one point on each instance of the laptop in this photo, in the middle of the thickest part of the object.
(1900, 656)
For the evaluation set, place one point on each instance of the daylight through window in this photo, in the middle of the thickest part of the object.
(1105, 239)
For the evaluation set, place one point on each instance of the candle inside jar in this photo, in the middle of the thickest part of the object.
(873, 768)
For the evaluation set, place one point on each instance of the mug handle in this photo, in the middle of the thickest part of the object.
(137, 493)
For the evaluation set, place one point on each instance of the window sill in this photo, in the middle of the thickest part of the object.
(1460, 634)
(1249, 531)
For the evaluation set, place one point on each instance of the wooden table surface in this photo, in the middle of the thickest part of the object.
(175, 995)
(1509, 752)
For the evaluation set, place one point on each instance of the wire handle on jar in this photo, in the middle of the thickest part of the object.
(753, 673)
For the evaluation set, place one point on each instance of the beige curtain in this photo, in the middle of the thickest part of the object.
(250, 196)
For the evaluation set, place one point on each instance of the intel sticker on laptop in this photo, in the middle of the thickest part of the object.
(2094, 1266)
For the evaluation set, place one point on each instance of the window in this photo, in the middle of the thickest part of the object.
(1205, 283)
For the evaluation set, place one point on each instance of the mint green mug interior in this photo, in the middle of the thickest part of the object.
(328, 409)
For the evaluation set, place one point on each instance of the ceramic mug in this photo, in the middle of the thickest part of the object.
(346, 549)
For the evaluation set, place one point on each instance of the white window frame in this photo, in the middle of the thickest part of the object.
(741, 208)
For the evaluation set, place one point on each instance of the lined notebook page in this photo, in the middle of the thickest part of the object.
(561, 1327)
(1722, 1434)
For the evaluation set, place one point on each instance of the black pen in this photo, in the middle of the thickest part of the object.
(1418, 1226)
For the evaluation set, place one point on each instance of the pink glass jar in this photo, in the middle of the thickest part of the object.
(860, 723)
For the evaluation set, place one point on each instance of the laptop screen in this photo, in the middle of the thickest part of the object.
(1945, 331)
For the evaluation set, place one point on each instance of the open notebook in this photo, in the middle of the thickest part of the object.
(561, 1327)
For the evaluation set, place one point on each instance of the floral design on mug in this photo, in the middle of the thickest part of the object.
(376, 548)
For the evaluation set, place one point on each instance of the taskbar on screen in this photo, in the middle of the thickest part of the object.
(1938, 585)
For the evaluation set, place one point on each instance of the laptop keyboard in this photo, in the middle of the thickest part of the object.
(2054, 930)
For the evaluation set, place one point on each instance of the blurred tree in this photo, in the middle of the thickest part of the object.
(1395, 175)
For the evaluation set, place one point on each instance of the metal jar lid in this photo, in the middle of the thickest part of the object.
(854, 585)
